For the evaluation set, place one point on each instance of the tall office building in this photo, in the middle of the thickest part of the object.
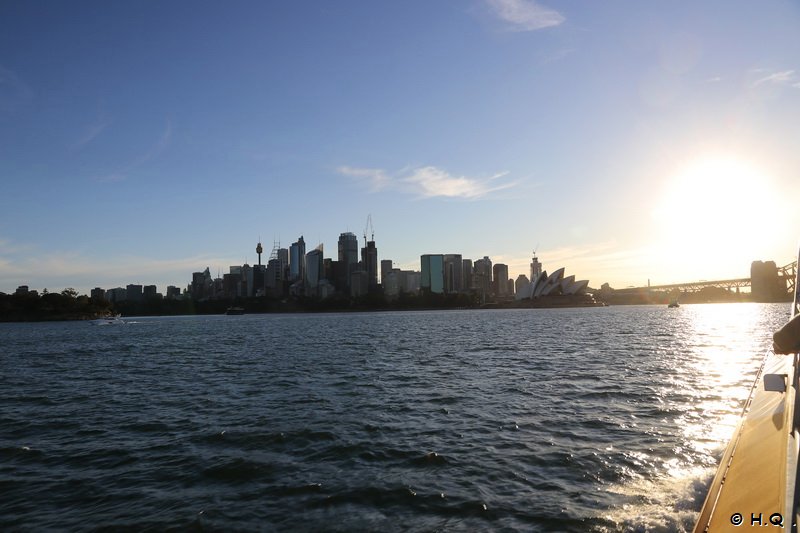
(466, 270)
(453, 273)
(500, 275)
(348, 248)
(369, 262)
(314, 272)
(348, 260)
(149, 292)
(432, 276)
(135, 292)
(247, 281)
(98, 294)
(283, 258)
(173, 292)
(536, 268)
(483, 276)
(386, 268)
(297, 260)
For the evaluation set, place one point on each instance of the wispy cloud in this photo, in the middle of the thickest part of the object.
(427, 182)
(525, 15)
(375, 178)
(121, 174)
(776, 77)
(783, 77)
(431, 182)
(90, 133)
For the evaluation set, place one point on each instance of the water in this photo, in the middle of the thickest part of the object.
(594, 419)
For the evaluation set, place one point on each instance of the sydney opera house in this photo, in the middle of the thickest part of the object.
(543, 286)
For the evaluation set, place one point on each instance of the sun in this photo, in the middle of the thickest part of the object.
(714, 213)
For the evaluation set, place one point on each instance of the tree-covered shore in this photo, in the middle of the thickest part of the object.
(64, 305)
(68, 305)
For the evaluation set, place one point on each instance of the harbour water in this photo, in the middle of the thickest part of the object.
(592, 419)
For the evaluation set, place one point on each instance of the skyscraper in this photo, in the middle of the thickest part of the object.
(500, 272)
(348, 260)
(297, 260)
(469, 282)
(386, 268)
(483, 276)
(453, 273)
(432, 277)
(536, 268)
(369, 262)
(314, 272)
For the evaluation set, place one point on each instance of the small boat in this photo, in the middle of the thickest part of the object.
(235, 311)
(110, 320)
(673, 303)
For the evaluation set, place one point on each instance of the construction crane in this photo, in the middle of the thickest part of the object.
(369, 228)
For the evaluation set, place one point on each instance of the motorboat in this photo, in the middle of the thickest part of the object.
(109, 320)
(756, 481)
(235, 311)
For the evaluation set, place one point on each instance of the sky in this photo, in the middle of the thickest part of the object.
(626, 141)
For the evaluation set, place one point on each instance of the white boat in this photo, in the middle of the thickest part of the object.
(110, 320)
(757, 476)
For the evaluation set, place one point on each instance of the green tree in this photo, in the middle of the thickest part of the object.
(69, 292)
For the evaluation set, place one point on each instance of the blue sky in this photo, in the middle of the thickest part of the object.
(626, 141)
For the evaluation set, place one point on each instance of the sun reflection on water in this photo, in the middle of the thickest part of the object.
(718, 350)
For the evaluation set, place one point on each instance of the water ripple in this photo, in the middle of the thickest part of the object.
(526, 420)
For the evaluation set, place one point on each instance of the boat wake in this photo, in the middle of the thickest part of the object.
(668, 504)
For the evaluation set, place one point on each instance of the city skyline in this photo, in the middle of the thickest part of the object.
(627, 143)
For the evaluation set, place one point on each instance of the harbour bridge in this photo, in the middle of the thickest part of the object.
(786, 276)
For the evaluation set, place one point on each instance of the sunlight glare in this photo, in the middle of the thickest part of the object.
(713, 211)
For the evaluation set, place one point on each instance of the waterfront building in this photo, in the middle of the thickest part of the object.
(467, 273)
(149, 292)
(173, 292)
(283, 260)
(272, 280)
(259, 280)
(369, 263)
(314, 271)
(97, 294)
(555, 284)
(348, 260)
(134, 293)
(201, 284)
(522, 287)
(432, 269)
(231, 282)
(391, 285)
(765, 284)
(410, 281)
(359, 283)
(117, 294)
(297, 260)
(386, 268)
(483, 277)
(536, 268)
(453, 273)
(246, 286)
(500, 276)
